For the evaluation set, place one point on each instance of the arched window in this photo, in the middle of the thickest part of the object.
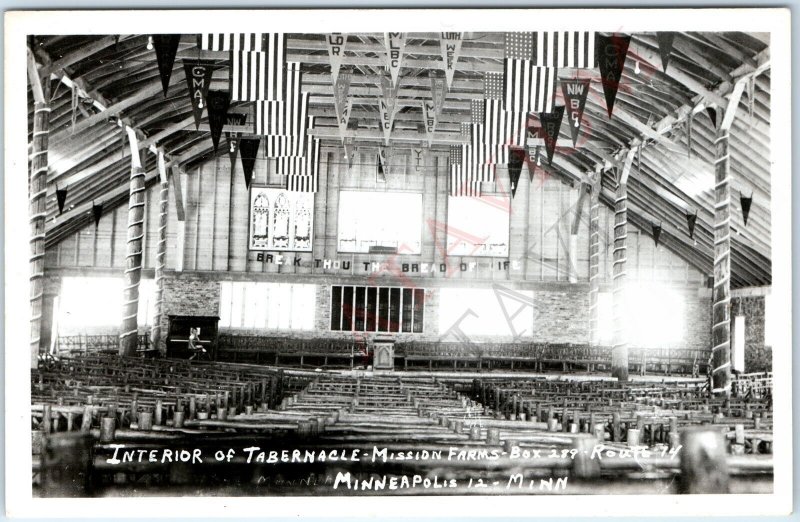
(280, 237)
(260, 221)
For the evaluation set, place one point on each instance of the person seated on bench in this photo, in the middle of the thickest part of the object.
(194, 343)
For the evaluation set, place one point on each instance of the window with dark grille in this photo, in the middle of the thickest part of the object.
(377, 309)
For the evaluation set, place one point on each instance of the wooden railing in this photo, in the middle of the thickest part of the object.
(94, 344)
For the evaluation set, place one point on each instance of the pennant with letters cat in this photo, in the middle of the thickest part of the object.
(395, 47)
(451, 49)
(575, 92)
(198, 79)
(336, 43)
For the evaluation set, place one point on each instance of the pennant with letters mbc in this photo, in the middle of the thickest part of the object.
(395, 48)
(249, 153)
(438, 91)
(237, 120)
(231, 42)
(97, 212)
(429, 117)
(166, 46)
(611, 53)
(691, 219)
(61, 198)
(515, 159)
(259, 75)
(388, 106)
(198, 79)
(336, 45)
(746, 202)
(575, 92)
(564, 49)
(532, 146)
(451, 49)
(551, 124)
(656, 233)
(342, 104)
(218, 103)
(665, 40)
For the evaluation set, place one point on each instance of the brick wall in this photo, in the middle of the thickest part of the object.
(186, 294)
(757, 356)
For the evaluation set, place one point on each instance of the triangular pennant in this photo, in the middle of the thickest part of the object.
(218, 103)
(233, 137)
(656, 233)
(418, 155)
(342, 104)
(451, 49)
(380, 174)
(516, 156)
(349, 152)
(336, 45)
(395, 48)
(551, 124)
(438, 91)
(429, 119)
(532, 149)
(97, 212)
(198, 78)
(712, 113)
(166, 46)
(249, 152)
(611, 52)
(575, 92)
(665, 40)
(388, 106)
(746, 201)
(61, 198)
(691, 219)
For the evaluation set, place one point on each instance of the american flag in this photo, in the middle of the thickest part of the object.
(232, 41)
(477, 111)
(259, 75)
(529, 88)
(519, 45)
(493, 86)
(564, 49)
(466, 171)
(502, 127)
(302, 174)
(284, 117)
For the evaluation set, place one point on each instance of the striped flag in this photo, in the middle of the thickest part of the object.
(232, 41)
(564, 49)
(302, 174)
(518, 45)
(493, 86)
(476, 111)
(259, 75)
(286, 116)
(528, 88)
(502, 127)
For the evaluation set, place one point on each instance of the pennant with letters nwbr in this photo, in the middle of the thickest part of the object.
(218, 103)
(611, 53)
(451, 49)
(166, 46)
(342, 103)
(438, 91)
(198, 79)
(429, 118)
(388, 106)
(551, 124)
(336, 45)
(237, 120)
(395, 47)
(575, 92)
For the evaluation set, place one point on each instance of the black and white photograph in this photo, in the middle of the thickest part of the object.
(450, 262)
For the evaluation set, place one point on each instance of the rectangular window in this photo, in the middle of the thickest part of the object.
(386, 221)
(96, 302)
(377, 309)
(486, 311)
(478, 226)
(272, 306)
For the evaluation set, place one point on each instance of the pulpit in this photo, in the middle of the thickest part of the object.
(383, 353)
(178, 335)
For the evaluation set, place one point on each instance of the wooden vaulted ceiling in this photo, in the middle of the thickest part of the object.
(116, 78)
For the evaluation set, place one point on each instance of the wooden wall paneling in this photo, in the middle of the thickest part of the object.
(222, 208)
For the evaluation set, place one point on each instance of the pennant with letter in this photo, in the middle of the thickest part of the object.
(451, 49)
(97, 212)
(551, 124)
(418, 155)
(166, 46)
(691, 219)
(342, 104)
(429, 117)
(218, 103)
(515, 159)
(611, 53)
(233, 137)
(61, 198)
(249, 150)
(746, 202)
(336, 45)
(388, 106)
(198, 79)
(395, 47)
(665, 40)
(656, 233)
(380, 173)
(575, 92)
(438, 91)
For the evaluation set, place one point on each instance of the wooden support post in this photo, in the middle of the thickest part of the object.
(37, 194)
(720, 314)
(161, 254)
(573, 233)
(619, 353)
(133, 263)
(704, 463)
(594, 258)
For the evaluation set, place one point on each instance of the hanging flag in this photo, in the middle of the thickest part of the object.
(515, 159)
(97, 212)
(388, 106)
(477, 111)
(61, 198)
(746, 201)
(249, 150)
(287, 117)
(302, 174)
(665, 40)
(429, 118)
(712, 113)
(575, 92)
(691, 219)
(166, 46)
(611, 53)
(336, 43)
(198, 79)
(656, 233)
(551, 124)
(564, 49)
(232, 42)
(259, 75)
(438, 91)
(233, 137)
(451, 49)
(218, 103)
(493, 86)
(342, 104)
(395, 47)
(528, 88)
